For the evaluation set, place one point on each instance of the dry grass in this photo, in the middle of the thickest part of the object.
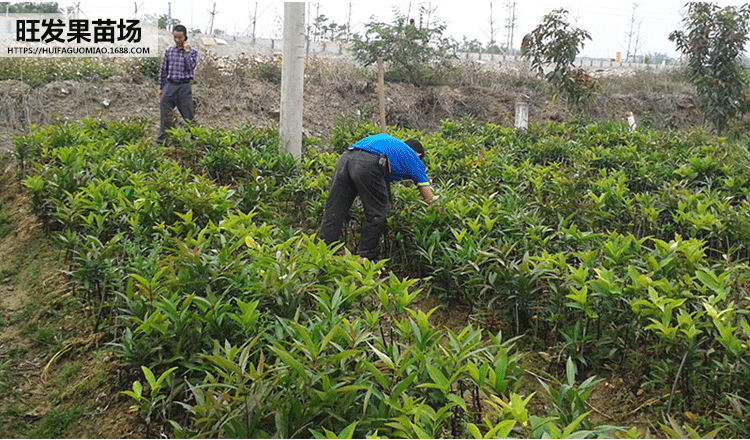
(21, 105)
(325, 71)
(647, 83)
(245, 90)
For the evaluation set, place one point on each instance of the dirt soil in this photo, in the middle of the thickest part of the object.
(43, 369)
(228, 93)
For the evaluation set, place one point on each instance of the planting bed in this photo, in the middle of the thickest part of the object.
(602, 274)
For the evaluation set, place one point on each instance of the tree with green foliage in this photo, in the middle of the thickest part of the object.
(415, 53)
(474, 46)
(555, 42)
(317, 26)
(713, 41)
(30, 7)
(164, 19)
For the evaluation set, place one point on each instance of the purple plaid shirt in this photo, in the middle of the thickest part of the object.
(177, 65)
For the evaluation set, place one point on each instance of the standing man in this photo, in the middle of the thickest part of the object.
(365, 170)
(175, 74)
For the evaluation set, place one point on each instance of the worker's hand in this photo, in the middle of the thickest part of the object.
(159, 93)
(186, 46)
(433, 203)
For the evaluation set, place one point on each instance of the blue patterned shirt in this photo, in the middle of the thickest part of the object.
(177, 65)
(405, 164)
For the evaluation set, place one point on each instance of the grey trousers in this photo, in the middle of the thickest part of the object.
(174, 95)
(357, 174)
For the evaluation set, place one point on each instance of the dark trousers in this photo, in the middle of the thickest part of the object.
(174, 95)
(357, 174)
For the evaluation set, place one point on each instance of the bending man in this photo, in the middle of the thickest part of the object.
(365, 170)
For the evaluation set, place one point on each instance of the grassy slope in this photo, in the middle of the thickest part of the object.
(57, 379)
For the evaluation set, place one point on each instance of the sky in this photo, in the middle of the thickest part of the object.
(642, 26)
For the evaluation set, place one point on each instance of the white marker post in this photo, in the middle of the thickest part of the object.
(522, 112)
(631, 121)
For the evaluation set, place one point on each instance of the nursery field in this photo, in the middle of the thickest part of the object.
(577, 280)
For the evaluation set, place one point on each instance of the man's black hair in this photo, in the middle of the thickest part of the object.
(180, 28)
(416, 146)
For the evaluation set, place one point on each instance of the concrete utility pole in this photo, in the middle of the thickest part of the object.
(292, 79)
(630, 34)
(511, 25)
(211, 23)
(255, 18)
(349, 22)
(493, 31)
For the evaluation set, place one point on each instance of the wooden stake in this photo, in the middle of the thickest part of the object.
(381, 93)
